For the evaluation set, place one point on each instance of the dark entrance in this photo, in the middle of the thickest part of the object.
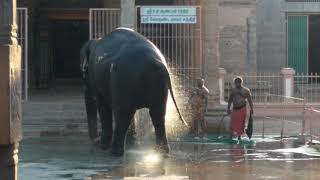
(67, 37)
(314, 44)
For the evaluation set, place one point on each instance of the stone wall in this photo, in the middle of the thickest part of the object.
(187, 2)
(111, 3)
(153, 2)
(235, 32)
(251, 65)
(233, 48)
(271, 36)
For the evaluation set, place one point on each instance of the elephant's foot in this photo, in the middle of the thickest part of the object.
(105, 142)
(162, 149)
(104, 146)
(96, 140)
(100, 143)
(116, 152)
(130, 142)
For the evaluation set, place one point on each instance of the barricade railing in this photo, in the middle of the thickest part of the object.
(312, 127)
(284, 119)
(259, 85)
(286, 83)
(307, 86)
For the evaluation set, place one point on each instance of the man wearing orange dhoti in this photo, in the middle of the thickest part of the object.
(238, 98)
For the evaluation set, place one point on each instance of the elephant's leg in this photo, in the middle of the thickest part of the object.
(91, 108)
(122, 122)
(158, 120)
(105, 113)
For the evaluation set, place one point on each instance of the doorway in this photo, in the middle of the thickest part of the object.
(67, 38)
(303, 43)
(314, 44)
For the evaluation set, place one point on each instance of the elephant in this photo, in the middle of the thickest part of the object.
(124, 72)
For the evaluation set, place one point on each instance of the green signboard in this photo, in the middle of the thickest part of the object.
(168, 15)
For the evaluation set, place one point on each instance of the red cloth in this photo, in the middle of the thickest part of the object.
(238, 119)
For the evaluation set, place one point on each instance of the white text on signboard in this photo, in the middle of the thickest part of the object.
(169, 20)
(168, 15)
(168, 11)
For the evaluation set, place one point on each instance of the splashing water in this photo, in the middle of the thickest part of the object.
(174, 127)
(151, 158)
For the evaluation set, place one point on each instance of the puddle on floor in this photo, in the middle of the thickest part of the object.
(74, 157)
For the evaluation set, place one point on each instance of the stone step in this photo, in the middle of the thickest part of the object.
(40, 127)
(35, 121)
(45, 108)
(53, 110)
(50, 122)
(216, 113)
(217, 110)
(54, 117)
(45, 126)
(54, 113)
(217, 124)
(52, 107)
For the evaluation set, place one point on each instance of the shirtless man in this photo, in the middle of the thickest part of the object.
(239, 97)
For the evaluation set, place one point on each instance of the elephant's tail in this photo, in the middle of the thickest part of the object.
(176, 105)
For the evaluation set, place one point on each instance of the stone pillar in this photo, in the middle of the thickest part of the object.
(10, 91)
(251, 67)
(288, 81)
(128, 13)
(210, 43)
(222, 74)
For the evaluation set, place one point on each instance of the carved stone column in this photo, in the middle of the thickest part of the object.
(222, 74)
(10, 91)
(128, 13)
(210, 37)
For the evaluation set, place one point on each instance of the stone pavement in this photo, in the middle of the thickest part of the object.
(73, 157)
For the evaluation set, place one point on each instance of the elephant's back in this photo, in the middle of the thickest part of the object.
(127, 45)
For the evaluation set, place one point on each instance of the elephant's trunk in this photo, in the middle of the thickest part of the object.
(176, 105)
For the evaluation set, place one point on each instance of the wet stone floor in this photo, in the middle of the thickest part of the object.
(74, 158)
